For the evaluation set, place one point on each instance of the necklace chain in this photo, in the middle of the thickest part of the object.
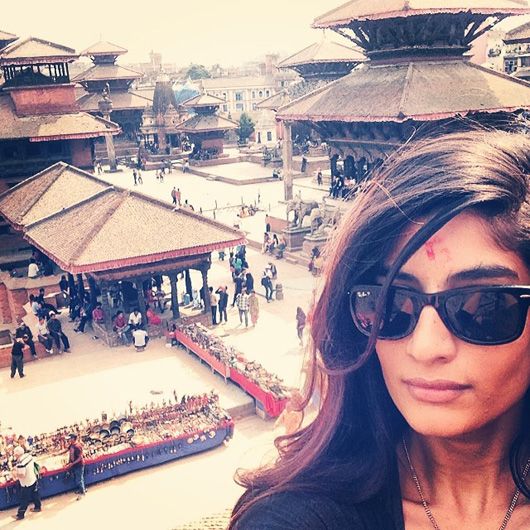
(427, 508)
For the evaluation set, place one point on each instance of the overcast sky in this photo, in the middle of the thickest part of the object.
(228, 32)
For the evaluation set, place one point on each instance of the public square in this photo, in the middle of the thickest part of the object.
(162, 163)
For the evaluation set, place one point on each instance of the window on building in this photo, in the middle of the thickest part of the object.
(224, 95)
(267, 93)
(254, 106)
(240, 106)
(269, 136)
(253, 94)
(260, 94)
(239, 96)
(225, 108)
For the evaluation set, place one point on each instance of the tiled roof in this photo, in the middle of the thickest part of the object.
(46, 127)
(104, 72)
(88, 102)
(36, 51)
(518, 34)
(218, 83)
(325, 51)
(405, 91)
(201, 123)
(109, 227)
(103, 48)
(203, 100)
(36, 197)
(370, 10)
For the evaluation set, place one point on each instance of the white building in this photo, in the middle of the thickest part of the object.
(242, 94)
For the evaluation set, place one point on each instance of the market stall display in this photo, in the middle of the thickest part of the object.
(268, 389)
(141, 438)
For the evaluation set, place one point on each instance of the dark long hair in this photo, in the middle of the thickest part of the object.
(347, 452)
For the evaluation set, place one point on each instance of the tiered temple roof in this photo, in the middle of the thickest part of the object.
(36, 51)
(99, 219)
(400, 82)
(104, 49)
(206, 118)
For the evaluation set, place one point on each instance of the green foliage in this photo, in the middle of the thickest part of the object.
(197, 71)
(246, 127)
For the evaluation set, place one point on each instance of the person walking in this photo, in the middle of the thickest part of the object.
(253, 307)
(23, 332)
(56, 332)
(214, 302)
(267, 283)
(300, 324)
(249, 282)
(242, 306)
(178, 196)
(319, 177)
(76, 462)
(17, 358)
(223, 303)
(238, 280)
(174, 195)
(135, 177)
(25, 472)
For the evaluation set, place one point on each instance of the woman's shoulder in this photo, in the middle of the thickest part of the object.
(300, 511)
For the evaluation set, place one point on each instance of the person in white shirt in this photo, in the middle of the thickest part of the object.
(25, 472)
(140, 339)
(33, 269)
(135, 319)
(43, 335)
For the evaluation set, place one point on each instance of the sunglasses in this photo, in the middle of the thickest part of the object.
(485, 315)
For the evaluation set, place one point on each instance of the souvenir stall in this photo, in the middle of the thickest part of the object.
(141, 438)
(267, 389)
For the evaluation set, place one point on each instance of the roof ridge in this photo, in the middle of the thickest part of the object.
(99, 224)
(404, 94)
(21, 42)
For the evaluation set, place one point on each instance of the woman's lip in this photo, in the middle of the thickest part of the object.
(437, 384)
(439, 391)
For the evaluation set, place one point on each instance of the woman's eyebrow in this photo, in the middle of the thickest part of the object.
(403, 276)
(484, 272)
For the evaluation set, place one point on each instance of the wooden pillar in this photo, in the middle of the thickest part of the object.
(80, 287)
(139, 283)
(71, 285)
(105, 305)
(287, 156)
(189, 287)
(93, 290)
(174, 296)
(204, 273)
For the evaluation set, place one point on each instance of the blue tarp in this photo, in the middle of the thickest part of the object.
(116, 465)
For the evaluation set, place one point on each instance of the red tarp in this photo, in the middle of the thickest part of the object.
(272, 405)
(209, 359)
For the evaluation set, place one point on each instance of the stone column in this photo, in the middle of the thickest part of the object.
(287, 157)
(105, 108)
(174, 296)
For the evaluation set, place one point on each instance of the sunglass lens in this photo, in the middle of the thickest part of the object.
(399, 314)
(485, 317)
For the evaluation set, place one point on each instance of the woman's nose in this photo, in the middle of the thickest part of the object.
(431, 340)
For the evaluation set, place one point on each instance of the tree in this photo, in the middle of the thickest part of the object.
(246, 127)
(197, 71)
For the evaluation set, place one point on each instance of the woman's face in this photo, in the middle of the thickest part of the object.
(442, 385)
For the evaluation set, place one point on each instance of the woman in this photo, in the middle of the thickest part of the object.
(300, 324)
(253, 308)
(423, 343)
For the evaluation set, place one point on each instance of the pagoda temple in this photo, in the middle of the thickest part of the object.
(417, 77)
(517, 56)
(127, 105)
(40, 119)
(206, 129)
